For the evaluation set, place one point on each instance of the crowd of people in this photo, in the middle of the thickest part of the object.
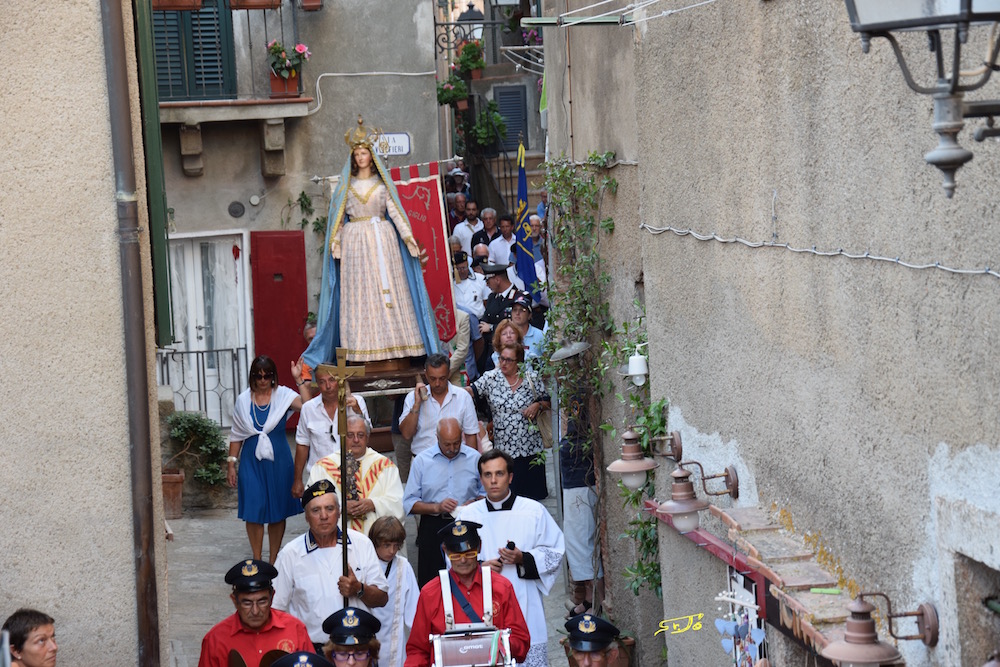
(488, 552)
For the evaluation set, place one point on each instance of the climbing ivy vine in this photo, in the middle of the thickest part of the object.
(580, 312)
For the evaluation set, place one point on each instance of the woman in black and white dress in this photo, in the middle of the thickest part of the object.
(516, 395)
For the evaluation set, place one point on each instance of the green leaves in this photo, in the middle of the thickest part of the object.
(202, 443)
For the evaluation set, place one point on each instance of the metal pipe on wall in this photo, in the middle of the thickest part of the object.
(133, 315)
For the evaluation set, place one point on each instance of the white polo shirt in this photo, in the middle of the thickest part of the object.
(318, 431)
(457, 404)
(464, 231)
(469, 293)
(306, 586)
(500, 250)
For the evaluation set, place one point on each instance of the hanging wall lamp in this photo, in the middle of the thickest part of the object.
(637, 367)
(878, 18)
(684, 505)
(860, 645)
(633, 466)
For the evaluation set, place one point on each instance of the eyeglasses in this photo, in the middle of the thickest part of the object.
(465, 555)
(509, 360)
(263, 376)
(263, 603)
(356, 436)
(344, 656)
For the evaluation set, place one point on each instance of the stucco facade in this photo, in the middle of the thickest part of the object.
(66, 532)
(388, 51)
(855, 395)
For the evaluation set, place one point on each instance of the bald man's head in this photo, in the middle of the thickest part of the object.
(449, 433)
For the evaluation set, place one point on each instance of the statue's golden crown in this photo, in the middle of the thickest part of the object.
(363, 136)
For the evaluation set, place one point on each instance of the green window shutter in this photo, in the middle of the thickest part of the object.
(194, 53)
(169, 54)
(212, 52)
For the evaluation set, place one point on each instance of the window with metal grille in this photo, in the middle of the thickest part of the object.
(194, 53)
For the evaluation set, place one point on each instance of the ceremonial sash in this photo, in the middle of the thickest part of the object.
(364, 483)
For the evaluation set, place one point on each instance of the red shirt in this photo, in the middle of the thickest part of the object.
(282, 631)
(429, 619)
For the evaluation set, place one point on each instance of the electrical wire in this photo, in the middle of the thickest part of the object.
(666, 12)
(583, 9)
(840, 252)
(319, 93)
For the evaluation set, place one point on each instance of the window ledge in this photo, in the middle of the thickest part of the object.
(190, 112)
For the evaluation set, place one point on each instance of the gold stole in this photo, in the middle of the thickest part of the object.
(364, 483)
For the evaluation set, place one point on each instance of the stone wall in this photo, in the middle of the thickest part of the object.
(67, 529)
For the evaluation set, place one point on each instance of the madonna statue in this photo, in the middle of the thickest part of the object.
(373, 300)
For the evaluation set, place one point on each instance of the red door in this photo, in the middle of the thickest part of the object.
(280, 302)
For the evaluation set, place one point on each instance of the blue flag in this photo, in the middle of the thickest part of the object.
(525, 266)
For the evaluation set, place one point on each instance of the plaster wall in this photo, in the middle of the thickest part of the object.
(350, 37)
(66, 527)
(857, 395)
(590, 87)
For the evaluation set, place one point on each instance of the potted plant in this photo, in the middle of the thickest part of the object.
(202, 446)
(286, 66)
(490, 129)
(453, 91)
(470, 59)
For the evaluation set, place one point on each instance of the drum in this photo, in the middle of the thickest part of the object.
(472, 648)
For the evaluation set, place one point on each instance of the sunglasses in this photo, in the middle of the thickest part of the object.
(263, 376)
(465, 555)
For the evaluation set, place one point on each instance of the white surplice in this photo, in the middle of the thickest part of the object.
(397, 615)
(532, 530)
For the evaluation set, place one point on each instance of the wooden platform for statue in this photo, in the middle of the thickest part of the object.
(387, 366)
(396, 378)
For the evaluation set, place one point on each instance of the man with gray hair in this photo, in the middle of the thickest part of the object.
(489, 231)
(311, 582)
(441, 480)
(379, 491)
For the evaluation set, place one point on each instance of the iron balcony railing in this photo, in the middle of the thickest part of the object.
(206, 381)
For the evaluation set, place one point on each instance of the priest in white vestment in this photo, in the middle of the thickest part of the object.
(521, 541)
(377, 480)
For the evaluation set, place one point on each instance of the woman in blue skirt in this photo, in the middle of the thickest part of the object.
(258, 443)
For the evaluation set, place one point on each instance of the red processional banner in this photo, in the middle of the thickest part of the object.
(424, 204)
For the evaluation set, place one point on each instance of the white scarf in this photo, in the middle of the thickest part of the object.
(244, 426)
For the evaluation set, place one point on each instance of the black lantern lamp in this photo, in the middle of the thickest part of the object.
(474, 18)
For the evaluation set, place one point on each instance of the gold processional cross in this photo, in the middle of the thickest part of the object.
(347, 463)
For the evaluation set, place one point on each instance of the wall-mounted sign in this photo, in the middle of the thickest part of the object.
(394, 143)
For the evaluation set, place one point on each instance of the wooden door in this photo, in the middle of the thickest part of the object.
(280, 302)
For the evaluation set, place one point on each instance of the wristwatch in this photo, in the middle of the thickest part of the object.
(361, 593)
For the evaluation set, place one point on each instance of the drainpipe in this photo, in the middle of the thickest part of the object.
(137, 379)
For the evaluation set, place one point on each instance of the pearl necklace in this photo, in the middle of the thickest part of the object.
(253, 413)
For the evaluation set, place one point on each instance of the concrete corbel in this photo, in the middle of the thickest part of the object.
(191, 150)
(272, 147)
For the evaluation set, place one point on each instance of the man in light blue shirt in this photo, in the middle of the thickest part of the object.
(441, 479)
